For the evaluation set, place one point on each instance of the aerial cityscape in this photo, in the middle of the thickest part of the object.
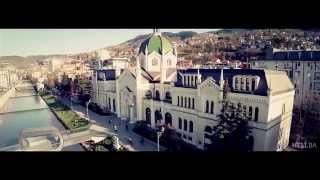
(161, 90)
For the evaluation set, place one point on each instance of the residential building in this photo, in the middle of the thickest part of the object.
(303, 69)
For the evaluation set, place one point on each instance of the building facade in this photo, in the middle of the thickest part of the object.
(303, 69)
(189, 100)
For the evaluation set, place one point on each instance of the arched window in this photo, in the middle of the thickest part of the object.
(256, 114)
(244, 110)
(168, 119)
(178, 104)
(196, 80)
(250, 113)
(253, 84)
(109, 103)
(157, 95)
(190, 126)
(168, 96)
(247, 84)
(148, 116)
(185, 125)
(114, 105)
(185, 102)
(185, 80)
(189, 102)
(192, 103)
(158, 116)
(154, 62)
(180, 123)
(242, 84)
(207, 106)
(212, 107)
(148, 94)
(181, 101)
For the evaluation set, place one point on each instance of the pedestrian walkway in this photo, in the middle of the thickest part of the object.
(122, 132)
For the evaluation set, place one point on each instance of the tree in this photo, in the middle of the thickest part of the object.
(65, 84)
(232, 132)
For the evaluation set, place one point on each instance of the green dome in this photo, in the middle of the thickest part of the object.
(156, 43)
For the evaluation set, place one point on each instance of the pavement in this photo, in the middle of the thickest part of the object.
(122, 133)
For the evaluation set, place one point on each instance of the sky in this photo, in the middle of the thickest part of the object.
(25, 42)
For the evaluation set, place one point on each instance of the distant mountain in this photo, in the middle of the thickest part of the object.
(181, 35)
(25, 62)
(135, 42)
(17, 61)
(228, 31)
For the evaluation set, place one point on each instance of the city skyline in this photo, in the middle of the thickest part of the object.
(27, 42)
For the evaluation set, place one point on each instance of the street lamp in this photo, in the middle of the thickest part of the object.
(159, 133)
(88, 108)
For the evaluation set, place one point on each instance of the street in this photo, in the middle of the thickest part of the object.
(122, 132)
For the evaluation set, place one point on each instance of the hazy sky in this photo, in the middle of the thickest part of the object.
(24, 42)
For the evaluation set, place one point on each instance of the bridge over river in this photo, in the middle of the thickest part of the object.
(26, 121)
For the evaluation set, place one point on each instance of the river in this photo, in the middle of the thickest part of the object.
(26, 110)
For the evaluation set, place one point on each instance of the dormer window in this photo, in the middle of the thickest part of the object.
(247, 84)
(253, 84)
(242, 84)
(236, 83)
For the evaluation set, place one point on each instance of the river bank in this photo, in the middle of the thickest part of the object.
(6, 96)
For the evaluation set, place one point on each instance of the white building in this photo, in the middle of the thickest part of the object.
(114, 63)
(189, 100)
(8, 78)
(55, 64)
(102, 54)
(302, 67)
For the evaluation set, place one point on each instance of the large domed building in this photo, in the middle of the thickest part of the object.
(189, 100)
(158, 56)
